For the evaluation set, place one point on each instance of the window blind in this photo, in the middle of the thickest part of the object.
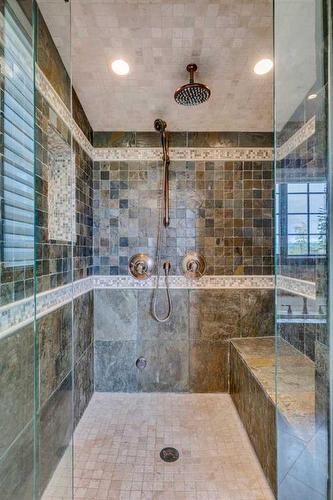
(18, 145)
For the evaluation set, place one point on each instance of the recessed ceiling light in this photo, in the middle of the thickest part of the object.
(263, 66)
(312, 96)
(120, 67)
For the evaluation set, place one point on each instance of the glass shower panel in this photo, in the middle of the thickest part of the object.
(55, 235)
(301, 200)
(17, 269)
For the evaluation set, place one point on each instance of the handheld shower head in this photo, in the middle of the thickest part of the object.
(160, 125)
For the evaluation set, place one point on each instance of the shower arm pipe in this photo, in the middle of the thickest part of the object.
(166, 163)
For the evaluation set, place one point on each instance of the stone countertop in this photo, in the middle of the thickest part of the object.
(295, 375)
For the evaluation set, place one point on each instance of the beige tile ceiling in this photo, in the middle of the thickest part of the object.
(158, 38)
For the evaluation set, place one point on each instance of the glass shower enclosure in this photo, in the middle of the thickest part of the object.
(303, 193)
(36, 351)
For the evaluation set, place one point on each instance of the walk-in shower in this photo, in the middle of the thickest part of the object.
(165, 328)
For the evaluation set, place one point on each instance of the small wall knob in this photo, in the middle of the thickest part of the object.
(141, 266)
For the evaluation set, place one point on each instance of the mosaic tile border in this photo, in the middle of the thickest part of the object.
(206, 282)
(22, 312)
(176, 154)
(184, 154)
(296, 286)
(304, 133)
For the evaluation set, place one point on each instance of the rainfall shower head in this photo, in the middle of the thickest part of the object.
(160, 125)
(192, 93)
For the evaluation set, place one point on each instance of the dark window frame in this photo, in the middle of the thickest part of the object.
(282, 229)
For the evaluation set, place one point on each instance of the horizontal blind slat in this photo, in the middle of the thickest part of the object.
(18, 146)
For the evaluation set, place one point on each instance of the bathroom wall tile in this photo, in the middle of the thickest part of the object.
(17, 381)
(55, 430)
(167, 367)
(54, 333)
(310, 333)
(80, 117)
(115, 369)
(178, 139)
(209, 366)
(50, 62)
(147, 139)
(17, 468)
(56, 258)
(214, 314)
(200, 319)
(256, 139)
(213, 139)
(221, 208)
(175, 328)
(295, 122)
(115, 314)
(256, 313)
(83, 248)
(322, 371)
(114, 139)
(83, 382)
(293, 333)
(83, 323)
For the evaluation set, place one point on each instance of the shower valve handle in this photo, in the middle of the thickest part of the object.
(193, 266)
(141, 266)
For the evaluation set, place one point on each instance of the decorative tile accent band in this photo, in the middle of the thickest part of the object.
(19, 313)
(176, 154)
(206, 282)
(296, 286)
(184, 154)
(297, 139)
(46, 89)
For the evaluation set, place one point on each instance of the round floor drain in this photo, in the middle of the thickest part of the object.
(169, 454)
(141, 363)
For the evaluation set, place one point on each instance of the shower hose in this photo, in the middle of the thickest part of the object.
(166, 267)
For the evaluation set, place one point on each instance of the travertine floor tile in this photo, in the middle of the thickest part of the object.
(119, 438)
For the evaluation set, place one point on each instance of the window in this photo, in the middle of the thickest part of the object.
(18, 146)
(306, 218)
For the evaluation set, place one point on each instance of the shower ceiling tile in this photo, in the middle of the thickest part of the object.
(158, 38)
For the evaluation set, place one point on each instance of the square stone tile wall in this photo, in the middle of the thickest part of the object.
(222, 209)
(55, 258)
(189, 353)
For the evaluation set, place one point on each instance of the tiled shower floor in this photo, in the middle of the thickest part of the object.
(119, 438)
